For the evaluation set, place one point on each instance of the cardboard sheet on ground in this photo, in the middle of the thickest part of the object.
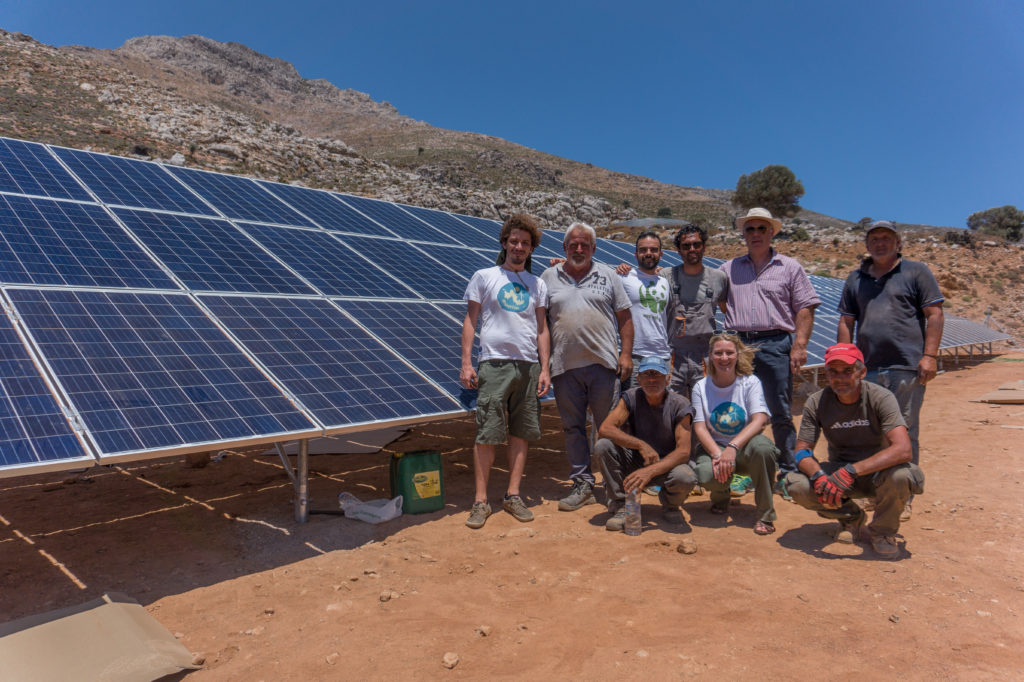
(1007, 394)
(111, 638)
(362, 443)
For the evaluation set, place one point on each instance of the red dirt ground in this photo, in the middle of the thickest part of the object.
(215, 555)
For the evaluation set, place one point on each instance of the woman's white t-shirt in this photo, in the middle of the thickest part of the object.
(726, 410)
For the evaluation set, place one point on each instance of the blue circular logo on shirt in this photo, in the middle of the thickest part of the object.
(729, 419)
(514, 297)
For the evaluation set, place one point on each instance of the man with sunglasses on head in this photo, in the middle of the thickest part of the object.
(696, 290)
(771, 305)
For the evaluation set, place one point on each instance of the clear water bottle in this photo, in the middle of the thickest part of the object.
(633, 520)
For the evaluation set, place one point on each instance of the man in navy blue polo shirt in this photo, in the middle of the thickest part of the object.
(892, 309)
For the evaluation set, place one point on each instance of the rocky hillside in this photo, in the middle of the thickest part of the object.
(223, 106)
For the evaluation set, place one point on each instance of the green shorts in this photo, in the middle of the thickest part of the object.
(507, 401)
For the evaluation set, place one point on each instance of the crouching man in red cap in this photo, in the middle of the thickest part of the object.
(868, 453)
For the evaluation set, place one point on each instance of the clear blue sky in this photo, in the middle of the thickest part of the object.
(909, 110)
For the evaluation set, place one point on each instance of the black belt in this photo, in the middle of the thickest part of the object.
(768, 333)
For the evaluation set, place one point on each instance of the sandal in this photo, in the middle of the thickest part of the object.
(764, 528)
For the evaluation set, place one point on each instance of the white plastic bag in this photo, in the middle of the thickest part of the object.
(371, 511)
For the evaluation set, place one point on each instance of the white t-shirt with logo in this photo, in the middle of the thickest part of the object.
(508, 312)
(726, 410)
(648, 299)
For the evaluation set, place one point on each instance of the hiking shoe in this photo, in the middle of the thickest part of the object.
(782, 490)
(849, 531)
(581, 495)
(740, 485)
(885, 546)
(673, 515)
(652, 490)
(906, 513)
(478, 515)
(697, 491)
(515, 506)
(617, 521)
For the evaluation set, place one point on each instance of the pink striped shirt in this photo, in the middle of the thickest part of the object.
(769, 300)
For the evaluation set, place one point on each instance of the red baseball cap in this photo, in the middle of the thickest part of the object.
(845, 352)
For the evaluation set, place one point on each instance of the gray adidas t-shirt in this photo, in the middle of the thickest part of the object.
(854, 432)
(581, 317)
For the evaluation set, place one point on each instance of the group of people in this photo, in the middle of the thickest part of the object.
(678, 402)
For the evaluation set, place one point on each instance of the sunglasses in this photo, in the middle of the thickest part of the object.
(691, 246)
(755, 228)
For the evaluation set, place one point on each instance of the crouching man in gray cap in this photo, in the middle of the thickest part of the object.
(645, 440)
(868, 453)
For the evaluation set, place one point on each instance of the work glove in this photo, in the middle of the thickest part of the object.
(843, 479)
(829, 495)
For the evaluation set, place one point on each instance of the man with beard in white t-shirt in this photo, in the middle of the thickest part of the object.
(513, 373)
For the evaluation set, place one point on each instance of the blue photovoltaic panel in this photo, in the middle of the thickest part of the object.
(395, 219)
(552, 241)
(210, 254)
(238, 197)
(485, 225)
(457, 229)
(28, 168)
(427, 338)
(43, 241)
(334, 368)
(613, 253)
(424, 275)
(33, 428)
(151, 371)
(332, 267)
(326, 209)
(463, 261)
(116, 180)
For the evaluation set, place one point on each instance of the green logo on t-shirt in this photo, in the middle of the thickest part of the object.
(649, 297)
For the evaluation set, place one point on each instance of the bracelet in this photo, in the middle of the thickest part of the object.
(929, 355)
(732, 445)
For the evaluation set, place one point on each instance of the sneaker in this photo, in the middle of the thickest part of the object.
(697, 491)
(515, 506)
(581, 495)
(849, 531)
(740, 485)
(617, 521)
(905, 514)
(885, 546)
(478, 515)
(673, 516)
(781, 490)
(652, 490)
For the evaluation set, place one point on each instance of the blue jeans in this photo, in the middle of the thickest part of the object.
(771, 366)
(909, 394)
(594, 386)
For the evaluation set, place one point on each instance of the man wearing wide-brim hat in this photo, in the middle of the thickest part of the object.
(895, 307)
(771, 304)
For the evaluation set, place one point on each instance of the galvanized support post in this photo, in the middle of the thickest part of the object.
(302, 483)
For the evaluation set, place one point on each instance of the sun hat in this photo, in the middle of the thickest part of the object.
(655, 363)
(759, 214)
(844, 352)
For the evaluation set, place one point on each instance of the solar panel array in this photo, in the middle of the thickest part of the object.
(152, 310)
